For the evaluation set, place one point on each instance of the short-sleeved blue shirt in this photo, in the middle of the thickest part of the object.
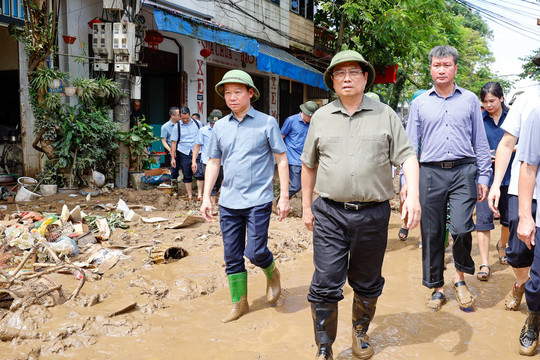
(188, 136)
(166, 130)
(494, 135)
(203, 139)
(530, 146)
(295, 131)
(246, 149)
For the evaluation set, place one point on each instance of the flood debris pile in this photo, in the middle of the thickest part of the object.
(33, 245)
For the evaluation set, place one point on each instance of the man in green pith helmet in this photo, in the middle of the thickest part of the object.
(246, 140)
(350, 148)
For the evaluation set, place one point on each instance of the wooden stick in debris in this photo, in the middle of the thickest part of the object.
(24, 260)
(48, 291)
(52, 253)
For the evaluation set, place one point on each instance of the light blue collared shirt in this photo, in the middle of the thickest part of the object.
(295, 131)
(449, 129)
(166, 130)
(246, 151)
(203, 139)
(187, 137)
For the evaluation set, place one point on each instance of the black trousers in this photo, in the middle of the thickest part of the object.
(349, 244)
(437, 187)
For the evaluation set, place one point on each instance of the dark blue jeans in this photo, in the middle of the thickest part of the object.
(184, 162)
(219, 180)
(235, 223)
(518, 254)
(295, 178)
(532, 287)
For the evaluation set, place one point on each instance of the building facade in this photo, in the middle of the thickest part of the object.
(182, 49)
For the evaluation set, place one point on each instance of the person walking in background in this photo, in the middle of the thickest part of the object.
(518, 255)
(446, 124)
(246, 141)
(201, 147)
(166, 130)
(350, 148)
(182, 141)
(529, 229)
(492, 98)
(294, 132)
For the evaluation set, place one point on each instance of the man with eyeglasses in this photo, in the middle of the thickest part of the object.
(350, 148)
(448, 123)
(166, 130)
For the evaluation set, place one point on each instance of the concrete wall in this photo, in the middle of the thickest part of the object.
(302, 29)
(252, 17)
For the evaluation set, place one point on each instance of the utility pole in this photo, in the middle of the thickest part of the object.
(121, 116)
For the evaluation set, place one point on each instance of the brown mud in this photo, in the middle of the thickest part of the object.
(140, 310)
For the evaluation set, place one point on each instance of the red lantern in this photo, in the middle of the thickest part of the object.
(69, 39)
(206, 52)
(386, 75)
(94, 21)
(153, 38)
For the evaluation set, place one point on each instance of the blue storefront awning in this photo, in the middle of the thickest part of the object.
(280, 62)
(204, 31)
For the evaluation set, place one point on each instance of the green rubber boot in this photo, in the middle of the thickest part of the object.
(273, 284)
(238, 287)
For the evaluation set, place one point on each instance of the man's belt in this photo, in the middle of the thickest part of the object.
(351, 205)
(450, 164)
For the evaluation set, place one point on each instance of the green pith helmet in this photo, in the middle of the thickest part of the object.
(215, 115)
(373, 95)
(309, 107)
(344, 56)
(238, 77)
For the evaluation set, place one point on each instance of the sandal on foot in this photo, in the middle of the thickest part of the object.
(513, 299)
(503, 260)
(403, 233)
(465, 299)
(436, 301)
(483, 275)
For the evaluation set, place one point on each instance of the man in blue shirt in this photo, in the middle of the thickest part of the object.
(294, 132)
(201, 146)
(166, 130)
(447, 121)
(247, 141)
(182, 141)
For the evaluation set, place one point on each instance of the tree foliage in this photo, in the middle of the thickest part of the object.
(402, 32)
(530, 70)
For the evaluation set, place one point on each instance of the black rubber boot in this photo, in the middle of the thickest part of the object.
(362, 314)
(528, 339)
(325, 318)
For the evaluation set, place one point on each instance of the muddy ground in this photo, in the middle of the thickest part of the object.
(179, 305)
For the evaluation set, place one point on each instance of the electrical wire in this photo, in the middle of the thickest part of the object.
(501, 20)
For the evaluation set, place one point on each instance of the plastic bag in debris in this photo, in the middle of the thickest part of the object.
(158, 179)
(65, 246)
(104, 254)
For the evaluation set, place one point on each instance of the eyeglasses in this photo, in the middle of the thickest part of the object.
(353, 73)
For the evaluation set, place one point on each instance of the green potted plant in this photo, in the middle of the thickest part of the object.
(138, 139)
(50, 178)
